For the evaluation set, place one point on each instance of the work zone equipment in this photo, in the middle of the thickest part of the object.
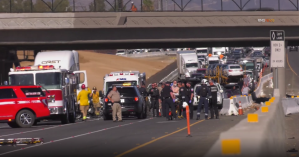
(221, 78)
(20, 141)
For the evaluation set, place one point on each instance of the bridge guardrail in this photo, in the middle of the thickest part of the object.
(171, 76)
(40, 6)
(261, 134)
(149, 54)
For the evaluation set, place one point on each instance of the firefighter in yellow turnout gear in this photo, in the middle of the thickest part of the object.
(83, 98)
(96, 100)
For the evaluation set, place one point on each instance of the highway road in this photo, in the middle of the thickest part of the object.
(292, 87)
(133, 137)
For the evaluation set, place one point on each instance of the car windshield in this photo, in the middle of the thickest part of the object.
(248, 73)
(234, 67)
(120, 83)
(191, 65)
(21, 79)
(201, 71)
(125, 91)
(202, 51)
(213, 62)
(201, 57)
(51, 80)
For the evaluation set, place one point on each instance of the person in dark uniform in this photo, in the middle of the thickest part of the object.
(154, 93)
(190, 96)
(183, 98)
(204, 92)
(168, 100)
(213, 101)
(143, 92)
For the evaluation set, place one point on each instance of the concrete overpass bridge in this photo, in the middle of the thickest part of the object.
(139, 30)
(103, 30)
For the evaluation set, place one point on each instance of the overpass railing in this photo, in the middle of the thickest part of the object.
(46, 6)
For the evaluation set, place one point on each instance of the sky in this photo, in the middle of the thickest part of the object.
(195, 5)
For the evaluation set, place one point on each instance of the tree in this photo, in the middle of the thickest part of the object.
(61, 6)
(147, 5)
(97, 5)
(46, 6)
(18, 6)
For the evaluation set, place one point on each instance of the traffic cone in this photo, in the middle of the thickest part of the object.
(240, 109)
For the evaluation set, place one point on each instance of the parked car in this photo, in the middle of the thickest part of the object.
(293, 48)
(22, 106)
(131, 101)
(233, 70)
(199, 74)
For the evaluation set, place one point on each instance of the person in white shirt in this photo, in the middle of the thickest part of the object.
(175, 88)
(245, 90)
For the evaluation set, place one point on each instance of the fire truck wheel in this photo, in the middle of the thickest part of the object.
(13, 125)
(65, 117)
(25, 119)
(73, 116)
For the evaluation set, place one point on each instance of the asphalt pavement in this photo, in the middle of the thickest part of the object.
(133, 137)
(292, 87)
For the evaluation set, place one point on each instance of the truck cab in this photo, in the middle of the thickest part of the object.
(190, 65)
(59, 78)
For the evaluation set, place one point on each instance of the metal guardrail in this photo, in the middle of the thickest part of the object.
(149, 54)
(46, 6)
(171, 76)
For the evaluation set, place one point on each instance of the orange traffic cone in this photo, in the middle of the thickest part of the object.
(240, 109)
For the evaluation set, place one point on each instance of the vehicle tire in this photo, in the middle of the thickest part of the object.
(13, 124)
(106, 117)
(73, 116)
(25, 119)
(145, 113)
(65, 117)
(140, 115)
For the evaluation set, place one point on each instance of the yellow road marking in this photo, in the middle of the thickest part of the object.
(152, 141)
(290, 65)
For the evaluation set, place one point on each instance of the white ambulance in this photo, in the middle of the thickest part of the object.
(58, 74)
(129, 78)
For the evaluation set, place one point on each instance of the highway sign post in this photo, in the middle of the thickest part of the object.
(277, 42)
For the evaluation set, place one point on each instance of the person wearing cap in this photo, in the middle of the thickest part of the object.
(114, 97)
(83, 98)
(168, 100)
(204, 94)
(154, 93)
(95, 100)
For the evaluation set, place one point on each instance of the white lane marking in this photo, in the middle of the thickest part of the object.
(168, 122)
(63, 139)
(60, 125)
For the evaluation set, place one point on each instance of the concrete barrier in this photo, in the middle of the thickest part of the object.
(265, 137)
(290, 105)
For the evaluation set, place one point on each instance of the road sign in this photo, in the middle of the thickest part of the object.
(277, 38)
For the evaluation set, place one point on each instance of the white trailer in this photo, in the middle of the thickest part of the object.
(187, 64)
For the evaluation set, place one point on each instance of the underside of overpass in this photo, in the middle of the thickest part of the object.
(82, 31)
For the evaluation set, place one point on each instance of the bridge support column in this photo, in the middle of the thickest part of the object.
(7, 58)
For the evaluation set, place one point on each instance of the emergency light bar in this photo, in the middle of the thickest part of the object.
(116, 74)
(40, 67)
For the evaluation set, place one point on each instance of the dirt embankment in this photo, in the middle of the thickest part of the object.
(98, 64)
